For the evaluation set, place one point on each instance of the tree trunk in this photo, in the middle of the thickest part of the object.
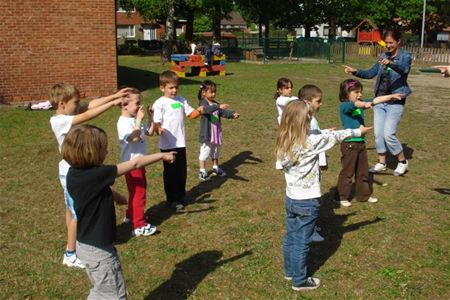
(170, 21)
(217, 17)
(260, 33)
(307, 31)
(332, 29)
(266, 28)
(189, 25)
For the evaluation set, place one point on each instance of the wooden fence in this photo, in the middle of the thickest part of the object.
(434, 55)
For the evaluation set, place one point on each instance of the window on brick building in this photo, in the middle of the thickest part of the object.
(127, 31)
(120, 9)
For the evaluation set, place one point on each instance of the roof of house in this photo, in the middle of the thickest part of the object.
(132, 18)
(367, 20)
(235, 19)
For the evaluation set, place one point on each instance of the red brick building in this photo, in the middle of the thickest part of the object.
(44, 42)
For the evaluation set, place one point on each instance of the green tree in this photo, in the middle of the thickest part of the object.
(261, 12)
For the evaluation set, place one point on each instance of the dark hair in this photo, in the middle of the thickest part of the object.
(393, 33)
(347, 86)
(281, 83)
(205, 86)
(309, 91)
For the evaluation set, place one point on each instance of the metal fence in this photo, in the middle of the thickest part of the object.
(277, 49)
(309, 49)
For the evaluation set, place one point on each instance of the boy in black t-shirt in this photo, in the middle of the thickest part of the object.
(88, 182)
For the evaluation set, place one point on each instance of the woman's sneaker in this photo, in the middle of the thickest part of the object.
(378, 167)
(72, 261)
(144, 230)
(219, 172)
(311, 283)
(401, 169)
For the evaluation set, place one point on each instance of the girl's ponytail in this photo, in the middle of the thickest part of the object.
(199, 96)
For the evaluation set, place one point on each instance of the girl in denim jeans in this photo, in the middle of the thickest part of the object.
(392, 70)
(298, 150)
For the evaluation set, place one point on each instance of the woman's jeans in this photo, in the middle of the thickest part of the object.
(301, 216)
(386, 119)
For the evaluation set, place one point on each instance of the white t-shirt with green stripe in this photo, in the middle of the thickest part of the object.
(170, 113)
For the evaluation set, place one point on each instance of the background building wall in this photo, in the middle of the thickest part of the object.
(48, 41)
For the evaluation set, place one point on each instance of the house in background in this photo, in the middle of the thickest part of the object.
(444, 35)
(234, 23)
(132, 27)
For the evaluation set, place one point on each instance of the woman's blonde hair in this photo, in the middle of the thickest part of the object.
(294, 128)
(85, 146)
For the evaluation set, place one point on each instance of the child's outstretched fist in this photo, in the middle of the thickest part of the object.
(236, 115)
(364, 129)
(169, 156)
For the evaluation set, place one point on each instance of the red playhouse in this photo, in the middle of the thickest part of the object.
(367, 32)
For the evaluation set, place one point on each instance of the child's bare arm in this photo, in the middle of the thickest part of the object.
(158, 129)
(142, 161)
(150, 125)
(92, 113)
(135, 135)
(386, 98)
(196, 113)
(363, 104)
(97, 102)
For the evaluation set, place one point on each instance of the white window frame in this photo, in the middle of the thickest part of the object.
(121, 10)
(131, 29)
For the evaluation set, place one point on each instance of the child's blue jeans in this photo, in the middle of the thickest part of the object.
(301, 216)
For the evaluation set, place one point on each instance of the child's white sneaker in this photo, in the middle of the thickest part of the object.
(203, 176)
(144, 230)
(378, 167)
(372, 200)
(72, 261)
(401, 169)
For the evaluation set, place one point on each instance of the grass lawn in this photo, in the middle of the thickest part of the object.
(227, 245)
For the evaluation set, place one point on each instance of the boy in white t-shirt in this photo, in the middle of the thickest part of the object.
(168, 118)
(65, 99)
(132, 133)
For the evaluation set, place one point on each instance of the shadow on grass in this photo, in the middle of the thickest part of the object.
(333, 230)
(156, 215)
(442, 191)
(201, 191)
(189, 273)
(143, 79)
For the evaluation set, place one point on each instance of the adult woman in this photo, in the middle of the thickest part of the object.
(392, 70)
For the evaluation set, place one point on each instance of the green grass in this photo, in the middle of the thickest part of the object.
(227, 245)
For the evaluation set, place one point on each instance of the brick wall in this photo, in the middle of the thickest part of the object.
(48, 41)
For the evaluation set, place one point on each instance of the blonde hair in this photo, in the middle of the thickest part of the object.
(167, 77)
(85, 146)
(294, 128)
(62, 92)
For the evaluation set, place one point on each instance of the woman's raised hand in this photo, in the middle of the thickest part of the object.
(349, 70)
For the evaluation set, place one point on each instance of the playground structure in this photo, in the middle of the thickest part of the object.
(197, 63)
(366, 38)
